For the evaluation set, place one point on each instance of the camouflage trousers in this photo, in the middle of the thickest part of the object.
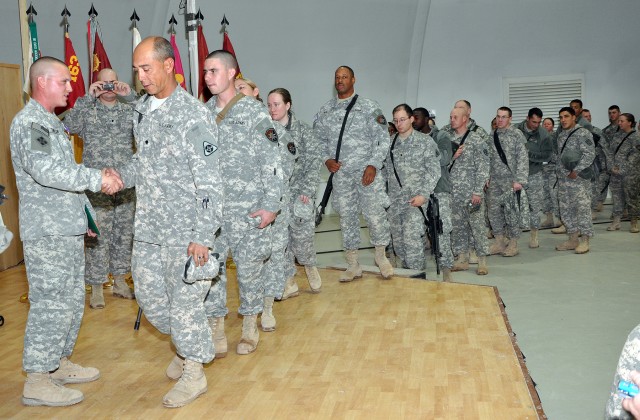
(631, 187)
(574, 196)
(446, 259)
(277, 267)
(617, 194)
(301, 242)
(350, 198)
(407, 231)
(468, 229)
(500, 224)
(55, 272)
(600, 189)
(628, 362)
(535, 188)
(111, 251)
(550, 190)
(171, 305)
(250, 248)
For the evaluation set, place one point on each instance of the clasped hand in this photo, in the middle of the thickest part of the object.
(111, 181)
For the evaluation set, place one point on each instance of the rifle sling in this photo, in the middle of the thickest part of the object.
(395, 172)
(227, 107)
(461, 143)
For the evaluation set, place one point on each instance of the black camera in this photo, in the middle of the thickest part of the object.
(108, 86)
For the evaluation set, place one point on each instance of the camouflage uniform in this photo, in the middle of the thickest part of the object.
(574, 195)
(107, 133)
(603, 180)
(550, 186)
(179, 201)
(632, 178)
(443, 193)
(503, 176)
(539, 150)
(469, 174)
(628, 362)
(597, 184)
(52, 226)
(620, 160)
(416, 160)
(365, 142)
(306, 175)
(471, 125)
(252, 180)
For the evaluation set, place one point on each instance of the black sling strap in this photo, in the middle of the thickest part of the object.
(501, 153)
(395, 172)
(620, 145)
(461, 143)
(344, 124)
(567, 140)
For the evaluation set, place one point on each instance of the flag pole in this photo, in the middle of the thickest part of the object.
(24, 37)
(192, 27)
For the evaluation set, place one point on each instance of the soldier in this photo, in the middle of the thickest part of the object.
(471, 123)
(356, 184)
(608, 134)
(539, 149)
(550, 192)
(253, 190)
(106, 127)
(631, 183)
(627, 370)
(600, 163)
(412, 170)
(178, 211)
(575, 154)
(302, 185)
(622, 150)
(53, 220)
(469, 170)
(509, 172)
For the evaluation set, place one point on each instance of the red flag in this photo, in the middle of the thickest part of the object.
(227, 46)
(203, 52)
(100, 59)
(178, 63)
(77, 81)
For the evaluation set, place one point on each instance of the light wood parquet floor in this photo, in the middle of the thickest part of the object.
(371, 349)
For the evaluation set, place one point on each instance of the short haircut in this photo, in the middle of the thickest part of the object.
(226, 57)
(403, 107)
(586, 110)
(576, 101)
(40, 67)
(616, 107)
(506, 108)
(629, 118)
(553, 123)
(349, 69)
(286, 96)
(162, 49)
(421, 110)
(567, 109)
(535, 111)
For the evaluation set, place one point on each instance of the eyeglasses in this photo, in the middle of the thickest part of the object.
(401, 120)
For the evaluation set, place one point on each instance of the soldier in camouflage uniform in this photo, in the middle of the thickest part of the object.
(471, 124)
(356, 185)
(632, 184)
(106, 126)
(53, 220)
(539, 149)
(506, 176)
(253, 189)
(575, 154)
(608, 133)
(469, 171)
(411, 170)
(621, 148)
(178, 211)
(302, 185)
(549, 191)
(600, 163)
(628, 363)
(443, 188)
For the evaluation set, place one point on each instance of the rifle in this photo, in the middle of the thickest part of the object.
(434, 228)
(325, 200)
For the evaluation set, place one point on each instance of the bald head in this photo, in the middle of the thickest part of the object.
(463, 104)
(153, 61)
(106, 75)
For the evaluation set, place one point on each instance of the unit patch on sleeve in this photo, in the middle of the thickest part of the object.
(265, 127)
(40, 141)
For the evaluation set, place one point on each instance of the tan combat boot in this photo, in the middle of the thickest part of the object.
(250, 335)
(386, 269)
(40, 389)
(634, 225)
(512, 248)
(174, 370)
(315, 282)
(446, 275)
(191, 385)
(290, 289)
(219, 337)
(473, 257)
(548, 223)
(461, 263)
(267, 320)
(533, 239)
(482, 269)
(96, 301)
(353, 270)
(560, 229)
(583, 245)
(599, 206)
(498, 245)
(121, 288)
(569, 244)
(71, 373)
(615, 224)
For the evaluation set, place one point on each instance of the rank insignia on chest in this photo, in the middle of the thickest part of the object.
(291, 147)
(271, 134)
(209, 148)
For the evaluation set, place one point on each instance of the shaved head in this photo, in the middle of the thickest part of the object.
(107, 75)
(44, 66)
(463, 104)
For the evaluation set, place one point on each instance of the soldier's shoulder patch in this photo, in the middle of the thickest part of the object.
(202, 139)
(266, 128)
(379, 117)
(291, 147)
(40, 140)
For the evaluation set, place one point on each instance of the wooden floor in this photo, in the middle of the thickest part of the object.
(402, 348)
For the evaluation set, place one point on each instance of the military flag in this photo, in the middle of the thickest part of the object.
(203, 52)
(179, 71)
(227, 46)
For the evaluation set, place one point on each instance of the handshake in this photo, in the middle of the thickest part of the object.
(111, 181)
